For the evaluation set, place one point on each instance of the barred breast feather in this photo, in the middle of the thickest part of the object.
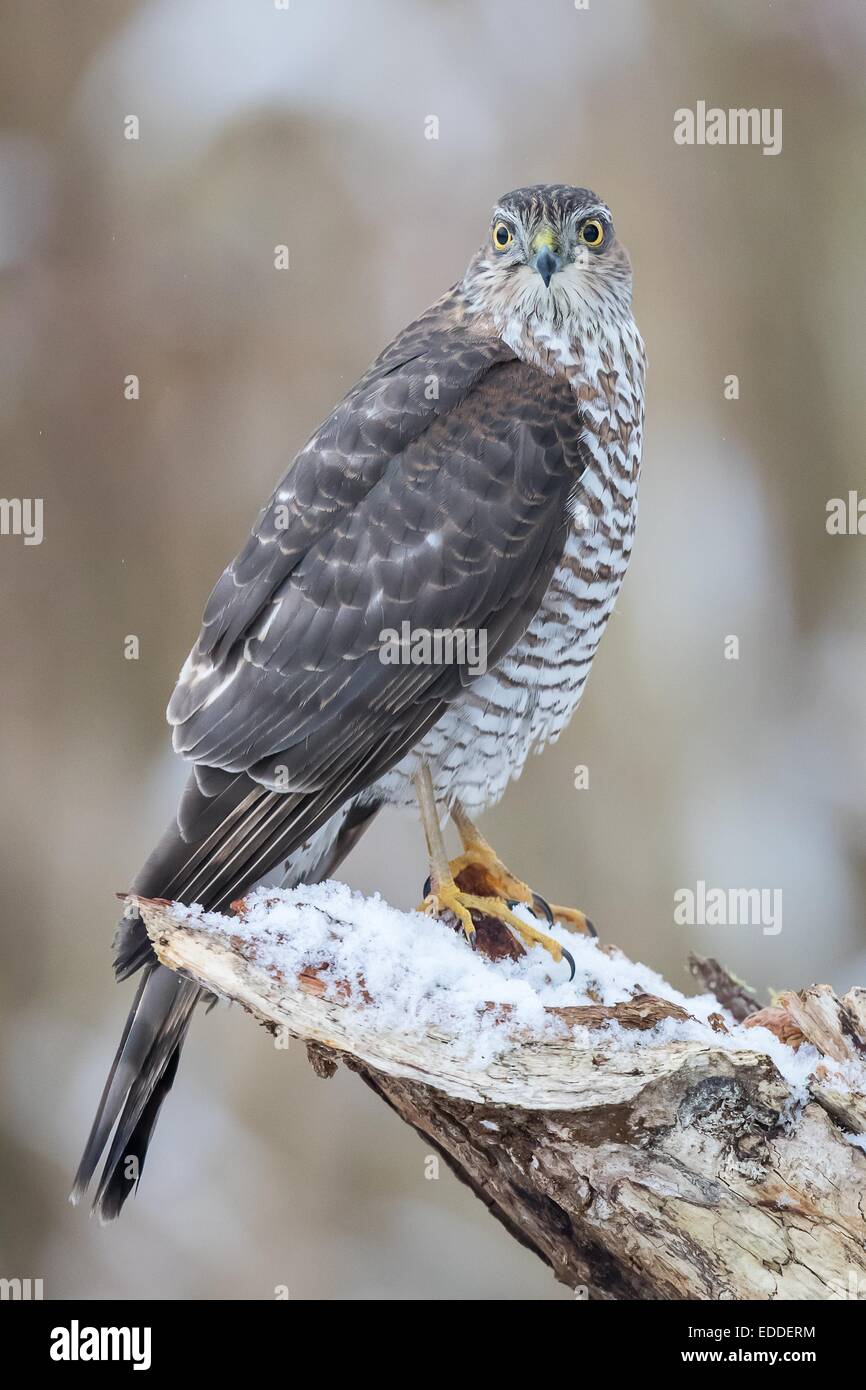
(482, 741)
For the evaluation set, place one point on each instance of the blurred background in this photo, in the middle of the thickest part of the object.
(305, 126)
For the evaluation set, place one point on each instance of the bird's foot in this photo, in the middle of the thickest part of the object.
(572, 919)
(448, 897)
(480, 870)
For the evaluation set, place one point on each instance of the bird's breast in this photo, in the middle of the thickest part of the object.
(525, 701)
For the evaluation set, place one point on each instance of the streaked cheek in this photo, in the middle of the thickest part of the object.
(573, 276)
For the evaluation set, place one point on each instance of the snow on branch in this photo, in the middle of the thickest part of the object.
(644, 1143)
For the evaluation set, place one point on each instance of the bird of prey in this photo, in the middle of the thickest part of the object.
(480, 477)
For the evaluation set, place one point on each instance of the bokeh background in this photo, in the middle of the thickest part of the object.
(258, 127)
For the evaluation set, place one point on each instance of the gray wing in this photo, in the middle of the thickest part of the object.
(421, 377)
(437, 494)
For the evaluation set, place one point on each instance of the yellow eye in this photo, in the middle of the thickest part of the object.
(592, 233)
(502, 236)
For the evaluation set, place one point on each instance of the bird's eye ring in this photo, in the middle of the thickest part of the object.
(592, 233)
(502, 236)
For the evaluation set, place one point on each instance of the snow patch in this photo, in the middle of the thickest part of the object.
(412, 974)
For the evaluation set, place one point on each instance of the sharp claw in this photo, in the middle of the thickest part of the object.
(542, 905)
(591, 931)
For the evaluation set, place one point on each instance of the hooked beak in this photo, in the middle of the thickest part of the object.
(546, 263)
(546, 258)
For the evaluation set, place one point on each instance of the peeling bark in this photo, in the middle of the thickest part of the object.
(675, 1170)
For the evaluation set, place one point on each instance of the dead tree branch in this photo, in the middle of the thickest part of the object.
(686, 1168)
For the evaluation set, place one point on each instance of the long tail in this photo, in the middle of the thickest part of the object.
(188, 865)
(140, 1078)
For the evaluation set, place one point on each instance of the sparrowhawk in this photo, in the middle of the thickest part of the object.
(480, 477)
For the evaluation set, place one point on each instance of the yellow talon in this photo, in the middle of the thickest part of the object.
(488, 871)
(573, 919)
(531, 936)
(450, 898)
(482, 869)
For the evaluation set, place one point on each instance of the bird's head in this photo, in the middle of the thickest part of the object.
(550, 256)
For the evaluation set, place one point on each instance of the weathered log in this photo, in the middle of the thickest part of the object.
(642, 1153)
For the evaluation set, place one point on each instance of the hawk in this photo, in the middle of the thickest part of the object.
(481, 477)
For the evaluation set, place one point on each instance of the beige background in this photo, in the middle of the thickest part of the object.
(261, 127)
